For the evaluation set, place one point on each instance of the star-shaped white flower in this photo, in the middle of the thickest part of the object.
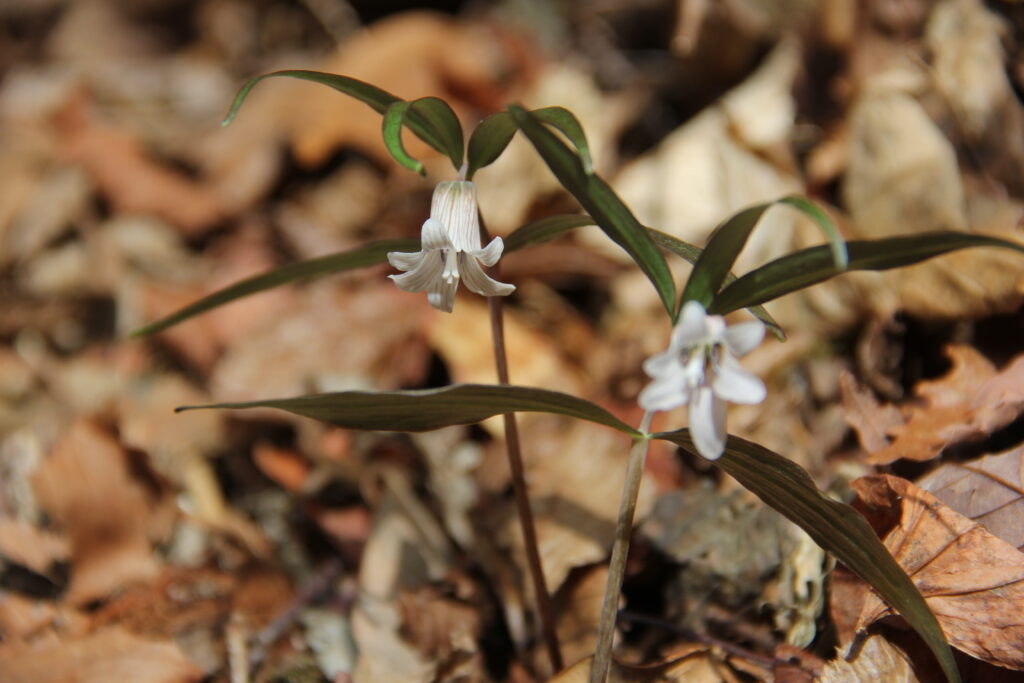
(700, 368)
(450, 250)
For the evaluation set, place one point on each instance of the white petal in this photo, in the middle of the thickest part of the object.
(732, 383)
(663, 394)
(692, 328)
(475, 278)
(443, 296)
(490, 254)
(662, 364)
(405, 260)
(454, 204)
(743, 338)
(707, 424)
(425, 275)
(433, 235)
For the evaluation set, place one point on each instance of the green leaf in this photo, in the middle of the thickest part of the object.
(720, 253)
(836, 527)
(818, 215)
(729, 238)
(608, 211)
(566, 123)
(546, 229)
(488, 140)
(691, 253)
(379, 100)
(815, 264)
(426, 409)
(391, 128)
(496, 131)
(360, 257)
(445, 123)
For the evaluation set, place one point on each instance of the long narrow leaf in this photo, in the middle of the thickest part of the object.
(691, 253)
(445, 123)
(815, 264)
(496, 131)
(379, 100)
(566, 123)
(727, 241)
(426, 409)
(786, 487)
(360, 257)
(608, 211)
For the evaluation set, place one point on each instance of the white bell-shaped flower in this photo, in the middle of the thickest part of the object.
(700, 369)
(450, 250)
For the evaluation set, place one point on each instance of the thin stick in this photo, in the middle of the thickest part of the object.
(545, 608)
(620, 551)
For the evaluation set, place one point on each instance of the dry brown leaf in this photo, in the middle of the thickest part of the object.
(971, 401)
(689, 663)
(109, 655)
(877, 660)
(445, 629)
(578, 607)
(21, 618)
(31, 546)
(130, 179)
(86, 488)
(862, 411)
(989, 490)
(973, 581)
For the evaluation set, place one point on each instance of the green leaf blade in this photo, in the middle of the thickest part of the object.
(391, 129)
(598, 199)
(445, 123)
(815, 264)
(426, 409)
(839, 254)
(836, 527)
(566, 123)
(488, 140)
(361, 257)
(377, 99)
(544, 230)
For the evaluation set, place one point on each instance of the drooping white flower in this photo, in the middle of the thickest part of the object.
(700, 368)
(450, 250)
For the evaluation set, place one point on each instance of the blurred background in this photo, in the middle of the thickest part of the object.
(136, 544)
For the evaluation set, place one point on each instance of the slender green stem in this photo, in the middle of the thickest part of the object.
(545, 607)
(620, 552)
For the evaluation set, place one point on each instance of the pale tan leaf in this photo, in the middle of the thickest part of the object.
(109, 655)
(973, 581)
(31, 546)
(862, 411)
(86, 487)
(877, 660)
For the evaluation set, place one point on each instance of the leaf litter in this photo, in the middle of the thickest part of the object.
(140, 545)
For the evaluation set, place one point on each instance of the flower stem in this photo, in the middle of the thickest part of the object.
(545, 607)
(620, 552)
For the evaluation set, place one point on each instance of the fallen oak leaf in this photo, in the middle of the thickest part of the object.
(972, 580)
(988, 490)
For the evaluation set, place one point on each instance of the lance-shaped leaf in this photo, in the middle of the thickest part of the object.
(496, 131)
(426, 409)
(546, 229)
(809, 266)
(360, 257)
(379, 100)
(608, 211)
(728, 239)
(836, 527)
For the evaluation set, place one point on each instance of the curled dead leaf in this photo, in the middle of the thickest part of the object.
(972, 580)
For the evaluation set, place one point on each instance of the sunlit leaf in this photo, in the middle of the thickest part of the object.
(836, 527)
(729, 238)
(815, 264)
(379, 100)
(391, 128)
(608, 211)
(426, 409)
(360, 257)
(568, 125)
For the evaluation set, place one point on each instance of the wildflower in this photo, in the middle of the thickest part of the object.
(700, 368)
(450, 250)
